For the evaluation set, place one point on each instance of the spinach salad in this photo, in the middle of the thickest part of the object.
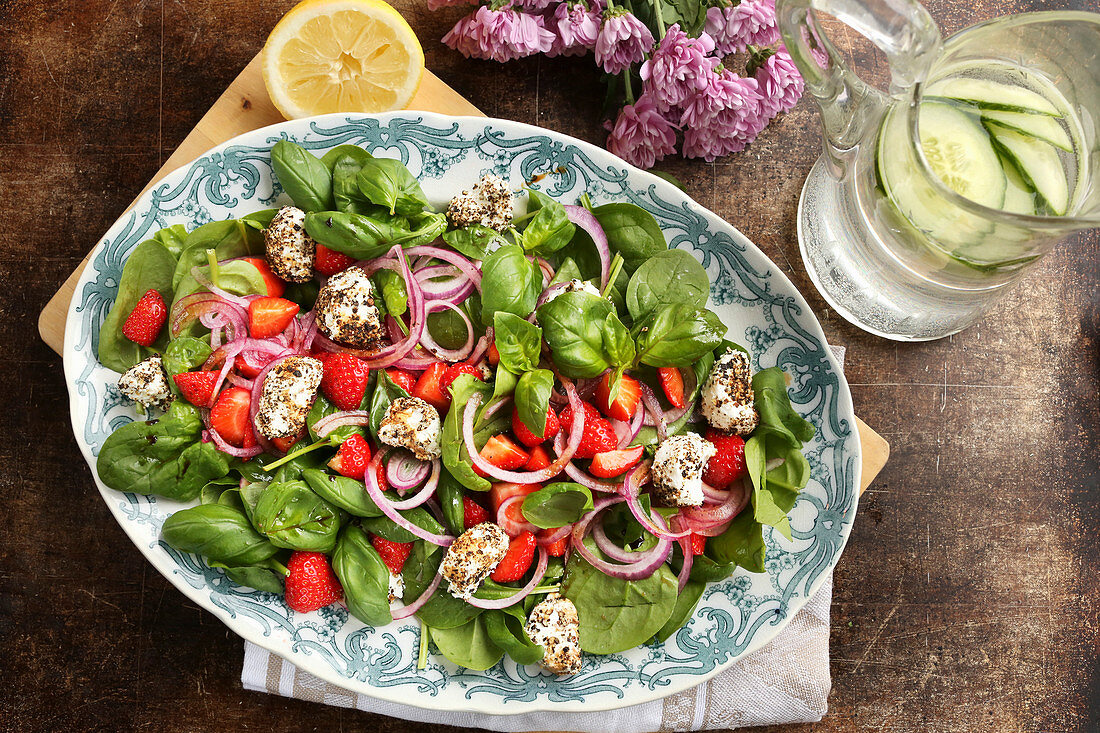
(526, 430)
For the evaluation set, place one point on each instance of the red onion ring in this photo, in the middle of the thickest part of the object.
(582, 478)
(404, 472)
(609, 548)
(238, 381)
(685, 571)
(549, 293)
(644, 565)
(555, 535)
(676, 413)
(653, 407)
(426, 492)
(511, 527)
(482, 345)
(631, 492)
(584, 219)
(409, 610)
(430, 343)
(456, 288)
(254, 407)
(466, 266)
(370, 482)
(710, 516)
(540, 573)
(328, 423)
(232, 450)
(547, 269)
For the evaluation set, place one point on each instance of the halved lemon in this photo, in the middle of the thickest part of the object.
(341, 56)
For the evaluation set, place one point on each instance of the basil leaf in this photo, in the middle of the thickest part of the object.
(631, 232)
(218, 533)
(394, 295)
(346, 161)
(742, 543)
(342, 492)
(475, 241)
(363, 576)
(556, 505)
(550, 229)
(449, 493)
(533, 399)
(668, 277)
(677, 335)
(617, 343)
(387, 182)
(303, 176)
(468, 645)
(510, 283)
(506, 629)
(260, 577)
(518, 342)
(572, 325)
(365, 237)
(455, 457)
(290, 515)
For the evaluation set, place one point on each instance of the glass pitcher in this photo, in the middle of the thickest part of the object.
(931, 200)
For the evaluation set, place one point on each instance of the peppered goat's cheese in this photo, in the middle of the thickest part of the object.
(554, 624)
(147, 383)
(413, 424)
(397, 586)
(488, 203)
(575, 286)
(472, 557)
(727, 401)
(289, 391)
(678, 469)
(346, 311)
(290, 251)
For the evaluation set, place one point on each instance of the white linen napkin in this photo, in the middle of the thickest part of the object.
(785, 682)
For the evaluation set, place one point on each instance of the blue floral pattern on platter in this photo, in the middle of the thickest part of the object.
(761, 307)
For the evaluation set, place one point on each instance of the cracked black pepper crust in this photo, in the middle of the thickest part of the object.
(339, 305)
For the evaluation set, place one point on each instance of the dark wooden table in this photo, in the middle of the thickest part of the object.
(968, 596)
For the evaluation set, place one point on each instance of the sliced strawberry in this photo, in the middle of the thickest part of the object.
(728, 463)
(197, 387)
(473, 513)
(557, 548)
(625, 402)
(352, 458)
(275, 286)
(229, 417)
(452, 373)
(500, 451)
(329, 261)
(527, 437)
(344, 380)
(502, 492)
(430, 387)
(269, 316)
(403, 379)
(615, 462)
(598, 434)
(285, 444)
(493, 354)
(516, 562)
(394, 554)
(539, 459)
(672, 382)
(145, 321)
(310, 582)
(698, 544)
(244, 368)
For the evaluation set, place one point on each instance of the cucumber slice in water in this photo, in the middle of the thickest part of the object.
(992, 95)
(959, 151)
(1019, 196)
(1043, 127)
(1039, 165)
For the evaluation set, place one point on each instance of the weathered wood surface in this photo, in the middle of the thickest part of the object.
(966, 600)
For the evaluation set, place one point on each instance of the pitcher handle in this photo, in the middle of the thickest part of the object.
(850, 108)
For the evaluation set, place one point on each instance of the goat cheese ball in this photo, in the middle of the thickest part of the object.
(678, 469)
(472, 557)
(554, 624)
(574, 286)
(727, 399)
(290, 251)
(346, 311)
(146, 383)
(413, 424)
(289, 391)
(488, 203)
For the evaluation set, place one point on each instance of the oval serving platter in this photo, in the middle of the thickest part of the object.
(761, 307)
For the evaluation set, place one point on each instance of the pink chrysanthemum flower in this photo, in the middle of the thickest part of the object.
(576, 29)
(723, 117)
(780, 83)
(678, 68)
(499, 35)
(533, 5)
(623, 41)
(750, 23)
(641, 135)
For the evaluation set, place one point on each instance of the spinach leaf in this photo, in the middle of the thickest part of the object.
(510, 283)
(342, 492)
(455, 457)
(306, 179)
(218, 533)
(556, 505)
(385, 392)
(572, 325)
(215, 488)
(364, 577)
(267, 577)
(533, 399)
(774, 404)
(668, 277)
(149, 267)
(615, 614)
(394, 294)
(518, 341)
(631, 232)
(239, 277)
(323, 408)
(185, 354)
(475, 241)
(442, 611)
(346, 161)
(449, 329)
(387, 182)
(742, 543)
(677, 335)
(702, 368)
(172, 238)
(550, 229)
(304, 294)
(162, 457)
(449, 493)
(468, 646)
(229, 239)
(681, 612)
(506, 630)
(292, 516)
(385, 528)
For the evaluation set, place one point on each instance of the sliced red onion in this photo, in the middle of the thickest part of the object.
(409, 610)
(370, 482)
(709, 516)
(254, 407)
(689, 559)
(583, 218)
(328, 423)
(238, 381)
(426, 491)
(547, 269)
(711, 531)
(540, 573)
(232, 450)
(456, 288)
(404, 472)
(655, 411)
(628, 431)
(526, 477)
(309, 330)
(482, 345)
(466, 266)
(582, 478)
(555, 535)
(644, 563)
(240, 346)
(511, 527)
(223, 294)
(646, 519)
(609, 548)
(549, 293)
(430, 343)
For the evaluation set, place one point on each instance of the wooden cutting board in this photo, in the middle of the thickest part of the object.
(245, 106)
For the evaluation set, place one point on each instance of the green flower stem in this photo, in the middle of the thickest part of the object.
(658, 12)
(629, 89)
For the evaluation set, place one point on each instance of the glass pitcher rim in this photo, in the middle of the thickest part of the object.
(912, 99)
